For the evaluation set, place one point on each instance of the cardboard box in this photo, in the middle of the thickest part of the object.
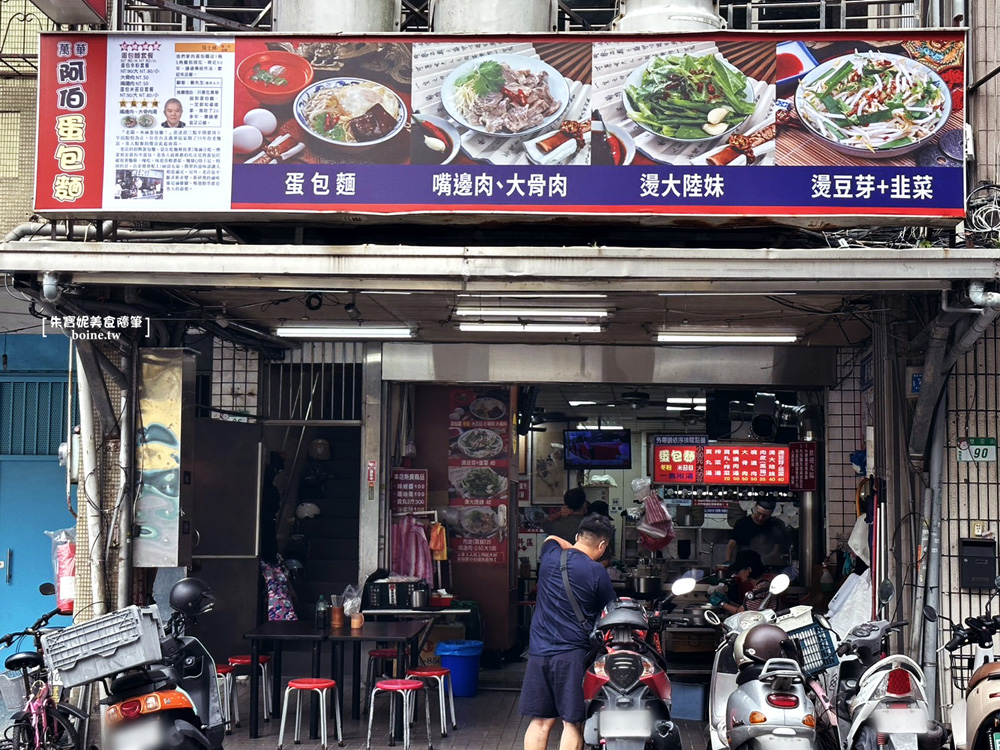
(452, 631)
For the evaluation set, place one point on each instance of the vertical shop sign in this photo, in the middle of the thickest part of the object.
(802, 466)
(408, 489)
(479, 454)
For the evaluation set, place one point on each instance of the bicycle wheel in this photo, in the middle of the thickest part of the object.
(61, 734)
(21, 736)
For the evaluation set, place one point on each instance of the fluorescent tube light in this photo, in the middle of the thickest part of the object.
(530, 327)
(532, 295)
(583, 426)
(726, 337)
(727, 294)
(344, 332)
(583, 403)
(687, 400)
(529, 312)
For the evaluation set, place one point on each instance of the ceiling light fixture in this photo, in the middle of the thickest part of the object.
(530, 327)
(583, 403)
(727, 336)
(349, 332)
(532, 295)
(583, 426)
(528, 312)
(687, 400)
(726, 294)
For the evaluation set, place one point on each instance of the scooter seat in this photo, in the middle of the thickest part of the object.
(128, 684)
(749, 673)
(985, 672)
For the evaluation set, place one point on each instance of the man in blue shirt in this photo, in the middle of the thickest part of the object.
(557, 654)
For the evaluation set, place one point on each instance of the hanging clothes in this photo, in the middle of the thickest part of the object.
(439, 542)
(411, 552)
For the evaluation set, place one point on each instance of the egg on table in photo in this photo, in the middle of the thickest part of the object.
(262, 119)
(247, 139)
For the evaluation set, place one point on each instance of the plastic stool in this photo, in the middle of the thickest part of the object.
(315, 685)
(376, 655)
(407, 689)
(230, 706)
(243, 660)
(438, 674)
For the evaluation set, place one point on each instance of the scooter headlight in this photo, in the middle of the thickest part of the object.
(598, 667)
(648, 667)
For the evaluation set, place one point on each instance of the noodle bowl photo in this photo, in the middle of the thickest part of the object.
(350, 112)
(873, 104)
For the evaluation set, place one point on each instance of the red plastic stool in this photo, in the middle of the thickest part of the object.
(377, 655)
(243, 660)
(407, 689)
(315, 685)
(230, 707)
(439, 675)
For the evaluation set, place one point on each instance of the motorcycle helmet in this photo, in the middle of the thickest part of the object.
(307, 510)
(191, 596)
(760, 643)
(293, 566)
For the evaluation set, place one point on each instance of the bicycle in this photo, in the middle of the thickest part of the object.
(44, 723)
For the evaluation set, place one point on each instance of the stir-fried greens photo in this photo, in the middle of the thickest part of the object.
(873, 101)
(689, 98)
(481, 482)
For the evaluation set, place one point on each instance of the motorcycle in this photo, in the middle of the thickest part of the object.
(626, 688)
(975, 720)
(765, 690)
(173, 703)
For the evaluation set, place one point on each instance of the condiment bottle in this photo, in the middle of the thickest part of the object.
(600, 151)
(321, 613)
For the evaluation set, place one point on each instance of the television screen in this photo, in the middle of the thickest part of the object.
(598, 449)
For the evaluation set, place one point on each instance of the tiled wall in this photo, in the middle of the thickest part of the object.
(844, 435)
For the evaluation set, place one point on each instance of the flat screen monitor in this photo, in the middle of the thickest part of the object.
(598, 449)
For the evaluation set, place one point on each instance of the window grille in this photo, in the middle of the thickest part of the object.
(32, 417)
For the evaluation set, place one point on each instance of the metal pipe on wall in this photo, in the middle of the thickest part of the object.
(933, 595)
(917, 624)
(91, 500)
(810, 431)
(126, 459)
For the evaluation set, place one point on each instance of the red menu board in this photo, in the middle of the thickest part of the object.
(677, 464)
(408, 489)
(802, 462)
(478, 474)
(746, 464)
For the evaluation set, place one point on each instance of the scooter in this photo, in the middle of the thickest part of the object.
(975, 720)
(761, 697)
(174, 703)
(626, 687)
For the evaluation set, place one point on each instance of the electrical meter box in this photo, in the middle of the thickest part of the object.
(978, 563)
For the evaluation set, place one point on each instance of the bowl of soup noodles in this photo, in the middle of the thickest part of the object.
(350, 112)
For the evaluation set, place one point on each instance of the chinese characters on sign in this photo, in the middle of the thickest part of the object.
(802, 466)
(746, 464)
(677, 464)
(71, 128)
(408, 489)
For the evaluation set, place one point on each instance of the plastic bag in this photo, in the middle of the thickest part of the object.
(64, 567)
(352, 600)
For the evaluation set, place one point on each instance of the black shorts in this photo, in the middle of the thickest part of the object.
(553, 687)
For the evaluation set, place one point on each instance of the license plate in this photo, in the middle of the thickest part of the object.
(901, 721)
(144, 735)
(626, 724)
(996, 741)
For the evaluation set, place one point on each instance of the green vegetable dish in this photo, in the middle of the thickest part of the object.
(482, 482)
(689, 98)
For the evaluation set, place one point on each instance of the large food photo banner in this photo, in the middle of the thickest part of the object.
(857, 102)
(321, 102)
(504, 104)
(693, 101)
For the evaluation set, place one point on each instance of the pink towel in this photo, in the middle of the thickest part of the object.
(411, 553)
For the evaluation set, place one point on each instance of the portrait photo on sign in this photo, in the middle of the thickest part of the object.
(506, 103)
(871, 103)
(321, 102)
(700, 102)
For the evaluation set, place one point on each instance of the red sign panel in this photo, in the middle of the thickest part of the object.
(408, 489)
(802, 465)
(746, 464)
(676, 464)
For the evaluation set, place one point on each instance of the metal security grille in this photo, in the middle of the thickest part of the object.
(319, 381)
(235, 373)
(971, 492)
(32, 417)
(844, 435)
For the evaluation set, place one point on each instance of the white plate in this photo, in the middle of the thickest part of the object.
(635, 79)
(557, 88)
(450, 130)
(613, 724)
(298, 109)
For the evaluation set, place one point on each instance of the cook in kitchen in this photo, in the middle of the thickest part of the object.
(760, 532)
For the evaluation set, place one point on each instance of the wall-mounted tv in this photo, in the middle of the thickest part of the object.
(598, 449)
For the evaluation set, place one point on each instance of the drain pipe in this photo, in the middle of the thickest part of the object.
(933, 382)
(918, 625)
(91, 501)
(39, 231)
(933, 596)
(989, 304)
(810, 431)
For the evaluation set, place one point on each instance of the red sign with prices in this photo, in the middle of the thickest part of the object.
(676, 464)
(746, 464)
(408, 489)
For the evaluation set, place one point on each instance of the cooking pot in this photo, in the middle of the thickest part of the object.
(647, 585)
(418, 598)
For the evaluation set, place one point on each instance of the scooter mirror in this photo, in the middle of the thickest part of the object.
(823, 622)
(996, 583)
(779, 584)
(930, 614)
(47, 589)
(711, 618)
(886, 592)
(683, 586)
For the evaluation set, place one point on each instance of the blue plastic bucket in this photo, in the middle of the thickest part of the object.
(462, 658)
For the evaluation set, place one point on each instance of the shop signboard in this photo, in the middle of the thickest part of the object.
(746, 464)
(768, 125)
(408, 489)
(478, 474)
(677, 464)
(803, 459)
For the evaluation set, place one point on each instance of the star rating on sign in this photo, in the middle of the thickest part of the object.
(145, 103)
(123, 103)
(135, 103)
(155, 103)
(155, 46)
